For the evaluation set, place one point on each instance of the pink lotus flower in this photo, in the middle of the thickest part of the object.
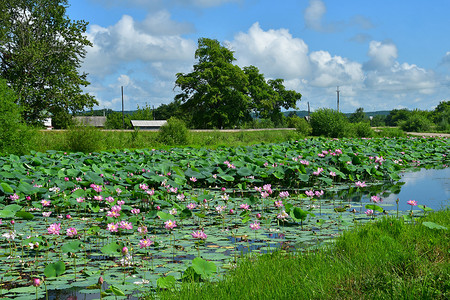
(145, 243)
(244, 206)
(283, 215)
(200, 234)
(142, 229)
(318, 193)
(135, 211)
(412, 203)
(376, 199)
(193, 179)
(14, 197)
(170, 224)
(278, 203)
(109, 199)
(143, 186)
(112, 227)
(369, 212)
(71, 232)
(98, 198)
(332, 173)
(45, 202)
(309, 193)
(220, 208)
(36, 282)
(317, 173)
(54, 228)
(284, 194)
(191, 206)
(126, 225)
(150, 192)
(255, 226)
(360, 184)
(97, 188)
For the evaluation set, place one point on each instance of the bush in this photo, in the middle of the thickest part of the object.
(84, 139)
(330, 123)
(15, 136)
(390, 132)
(174, 132)
(303, 127)
(416, 123)
(362, 129)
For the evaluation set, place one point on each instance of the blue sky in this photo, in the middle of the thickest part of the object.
(382, 54)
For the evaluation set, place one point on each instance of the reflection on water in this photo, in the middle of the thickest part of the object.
(428, 187)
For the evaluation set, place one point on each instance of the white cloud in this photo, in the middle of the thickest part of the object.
(382, 55)
(314, 13)
(275, 52)
(334, 70)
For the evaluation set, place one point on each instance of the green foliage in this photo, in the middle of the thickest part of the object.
(378, 120)
(441, 115)
(396, 116)
(387, 259)
(358, 116)
(416, 122)
(390, 132)
(115, 120)
(361, 129)
(42, 50)
(328, 122)
(15, 136)
(84, 139)
(303, 127)
(174, 132)
(218, 94)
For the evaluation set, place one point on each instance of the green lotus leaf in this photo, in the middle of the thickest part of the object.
(54, 269)
(166, 282)
(433, 225)
(203, 267)
(6, 188)
(73, 246)
(24, 215)
(112, 248)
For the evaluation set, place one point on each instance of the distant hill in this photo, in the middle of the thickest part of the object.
(303, 113)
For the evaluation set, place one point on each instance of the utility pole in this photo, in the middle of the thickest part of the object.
(309, 112)
(337, 91)
(123, 113)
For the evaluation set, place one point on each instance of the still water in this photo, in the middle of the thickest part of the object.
(429, 187)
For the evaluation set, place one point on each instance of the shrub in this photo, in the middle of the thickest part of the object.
(390, 132)
(362, 129)
(84, 139)
(330, 123)
(15, 136)
(174, 132)
(303, 127)
(416, 123)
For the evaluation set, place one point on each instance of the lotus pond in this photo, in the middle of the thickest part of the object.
(147, 219)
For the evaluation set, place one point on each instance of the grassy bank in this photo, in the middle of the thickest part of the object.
(387, 259)
(94, 140)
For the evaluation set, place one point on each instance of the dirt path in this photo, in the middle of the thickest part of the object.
(428, 134)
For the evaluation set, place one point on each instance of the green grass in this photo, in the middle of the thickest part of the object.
(90, 139)
(386, 259)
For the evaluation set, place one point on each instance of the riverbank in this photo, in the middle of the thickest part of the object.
(386, 259)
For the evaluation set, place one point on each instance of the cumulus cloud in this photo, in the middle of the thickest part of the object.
(275, 52)
(382, 55)
(334, 70)
(129, 41)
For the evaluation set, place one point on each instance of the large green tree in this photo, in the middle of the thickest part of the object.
(219, 94)
(41, 50)
(214, 94)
